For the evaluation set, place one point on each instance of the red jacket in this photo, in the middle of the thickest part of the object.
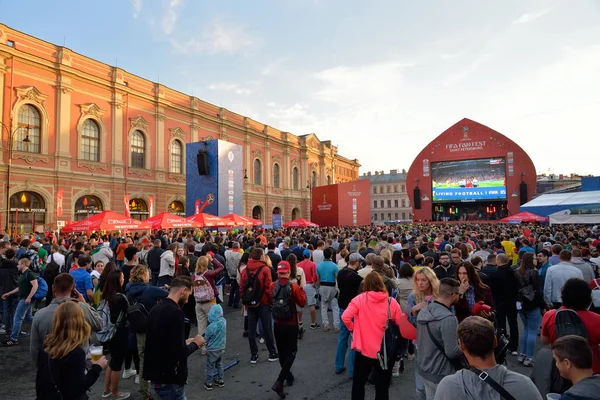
(264, 279)
(298, 298)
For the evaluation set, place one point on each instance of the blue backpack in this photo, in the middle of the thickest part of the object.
(42, 289)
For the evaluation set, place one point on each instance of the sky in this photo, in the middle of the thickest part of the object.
(379, 78)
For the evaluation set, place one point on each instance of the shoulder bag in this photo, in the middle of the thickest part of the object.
(458, 363)
(485, 377)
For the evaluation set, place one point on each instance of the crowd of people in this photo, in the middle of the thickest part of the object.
(445, 297)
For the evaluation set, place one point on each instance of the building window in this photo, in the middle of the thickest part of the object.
(408, 203)
(389, 216)
(176, 161)
(257, 172)
(403, 216)
(29, 124)
(382, 217)
(177, 208)
(396, 216)
(138, 209)
(374, 217)
(276, 180)
(381, 204)
(389, 189)
(374, 189)
(389, 204)
(90, 140)
(138, 148)
(403, 203)
(27, 212)
(395, 188)
(86, 206)
(374, 203)
(403, 188)
(296, 179)
(396, 203)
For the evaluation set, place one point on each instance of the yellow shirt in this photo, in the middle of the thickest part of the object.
(509, 248)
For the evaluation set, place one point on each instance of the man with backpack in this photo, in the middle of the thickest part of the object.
(52, 269)
(256, 295)
(573, 318)
(27, 288)
(485, 380)
(287, 294)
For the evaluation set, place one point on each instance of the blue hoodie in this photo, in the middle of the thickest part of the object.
(143, 293)
(216, 332)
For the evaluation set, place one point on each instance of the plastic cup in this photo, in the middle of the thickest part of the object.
(553, 396)
(96, 352)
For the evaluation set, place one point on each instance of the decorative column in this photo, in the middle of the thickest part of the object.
(117, 125)
(161, 150)
(63, 114)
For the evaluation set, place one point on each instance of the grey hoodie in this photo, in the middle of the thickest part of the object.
(465, 385)
(585, 268)
(585, 389)
(432, 364)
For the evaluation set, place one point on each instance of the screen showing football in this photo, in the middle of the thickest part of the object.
(469, 180)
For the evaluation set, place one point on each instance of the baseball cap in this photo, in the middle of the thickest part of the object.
(355, 257)
(306, 253)
(36, 245)
(283, 267)
(547, 244)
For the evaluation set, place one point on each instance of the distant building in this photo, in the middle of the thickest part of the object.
(553, 183)
(389, 199)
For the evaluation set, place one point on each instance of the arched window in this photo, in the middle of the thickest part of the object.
(257, 172)
(177, 208)
(27, 212)
(176, 157)
(86, 206)
(138, 209)
(138, 149)
(257, 212)
(329, 179)
(296, 179)
(314, 179)
(90, 140)
(276, 180)
(295, 214)
(29, 124)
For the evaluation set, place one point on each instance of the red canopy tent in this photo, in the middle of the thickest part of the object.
(166, 220)
(239, 220)
(107, 221)
(300, 223)
(204, 220)
(524, 217)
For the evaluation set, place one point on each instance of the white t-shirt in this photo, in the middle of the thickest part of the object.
(58, 258)
(318, 256)
(95, 274)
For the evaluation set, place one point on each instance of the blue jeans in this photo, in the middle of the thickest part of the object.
(214, 366)
(342, 345)
(23, 312)
(170, 392)
(531, 322)
(8, 313)
(419, 385)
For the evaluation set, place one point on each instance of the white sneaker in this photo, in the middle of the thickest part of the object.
(396, 369)
(137, 379)
(262, 340)
(128, 373)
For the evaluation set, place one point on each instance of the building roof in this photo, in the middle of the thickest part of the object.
(383, 178)
(565, 199)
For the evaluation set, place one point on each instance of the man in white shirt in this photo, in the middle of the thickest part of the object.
(317, 255)
(56, 256)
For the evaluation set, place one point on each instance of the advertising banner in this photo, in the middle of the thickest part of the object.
(342, 204)
(127, 213)
(59, 202)
(277, 222)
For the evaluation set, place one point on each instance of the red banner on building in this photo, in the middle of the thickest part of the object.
(151, 207)
(59, 202)
(197, 207)
(126, 206)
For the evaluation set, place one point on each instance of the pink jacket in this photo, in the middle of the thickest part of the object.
(366, 317)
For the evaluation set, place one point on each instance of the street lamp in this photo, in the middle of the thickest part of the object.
(10, 145)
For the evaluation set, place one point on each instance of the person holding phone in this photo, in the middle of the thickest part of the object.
(471, 292)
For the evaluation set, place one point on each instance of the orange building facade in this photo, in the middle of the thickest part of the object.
(78, 136)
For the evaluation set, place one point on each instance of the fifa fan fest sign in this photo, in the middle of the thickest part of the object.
(342, 204)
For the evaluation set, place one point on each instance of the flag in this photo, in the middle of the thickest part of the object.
(126, 206)
(151, 208)
(59, 202)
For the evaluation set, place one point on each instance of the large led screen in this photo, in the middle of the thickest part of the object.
(469, 180)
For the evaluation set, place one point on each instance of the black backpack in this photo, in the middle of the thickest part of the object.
(136, 315)
(283, 305)
(253, 291)
(51, 271)
(390, 343)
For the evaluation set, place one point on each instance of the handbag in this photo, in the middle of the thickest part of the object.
(527, 292)
(485, 377)
(458, 363)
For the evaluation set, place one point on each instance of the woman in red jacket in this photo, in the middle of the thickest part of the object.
(366, 318)
(205, 297)
(472, 291)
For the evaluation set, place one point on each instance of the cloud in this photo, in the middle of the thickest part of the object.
(529, 17)
(171, 15)
(137, 7)
(218, 37)
(230, 87)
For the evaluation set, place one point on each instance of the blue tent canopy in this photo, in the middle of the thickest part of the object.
(577, 203)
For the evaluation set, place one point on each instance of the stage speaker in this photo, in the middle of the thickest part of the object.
(417, 198)
(202, 159)
(523, 192)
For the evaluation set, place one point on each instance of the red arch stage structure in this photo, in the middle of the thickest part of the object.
(470, 172)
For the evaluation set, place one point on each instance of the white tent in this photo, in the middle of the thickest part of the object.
(565, 217)
(578, 203)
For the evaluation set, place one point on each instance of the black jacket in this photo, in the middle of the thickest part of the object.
(9, 275)
(505, 285)
(153, 258)
(68, 373)
(166, 354)
(441, 273)
(348, 284)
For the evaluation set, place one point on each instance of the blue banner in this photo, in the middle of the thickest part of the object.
(469, 194)
(277, 223)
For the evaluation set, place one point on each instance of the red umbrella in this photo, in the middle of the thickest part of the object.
(238, 220)
(204, 220)
(524, 217)
(166, 220)
(300, 223)
(107, 221)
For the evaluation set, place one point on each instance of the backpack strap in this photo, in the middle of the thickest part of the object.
(485, 377)
(596, 283)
